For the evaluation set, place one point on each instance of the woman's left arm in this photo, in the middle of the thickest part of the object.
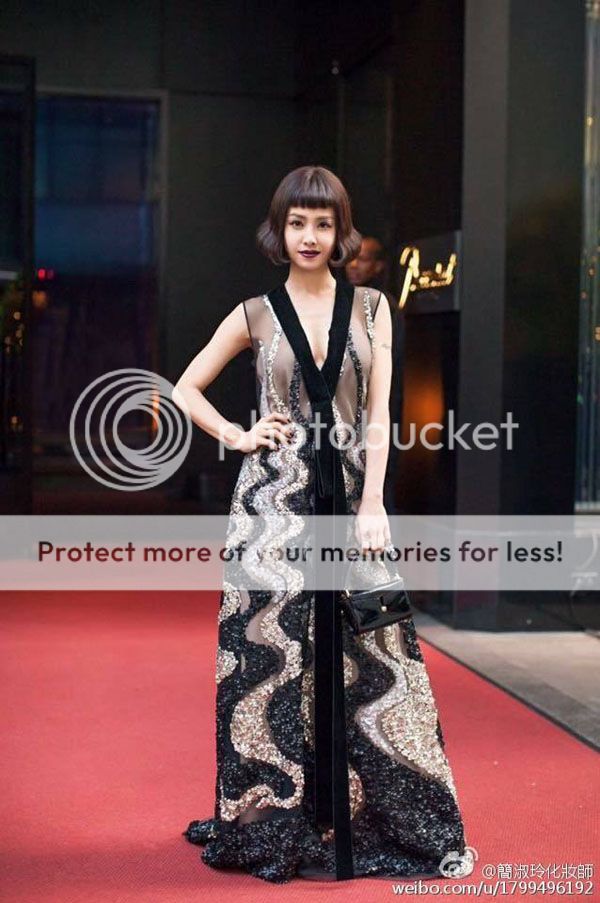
(373, 525)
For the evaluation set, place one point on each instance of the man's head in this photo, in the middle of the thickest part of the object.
(369, 263)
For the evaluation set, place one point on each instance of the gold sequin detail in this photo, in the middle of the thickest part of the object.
(250, 734)
(350, 672)
(369, 316)
(412, 725)
(277, 402)
(341, 434)
(306, 705)
(251, 474)
(404, 720)
(249, 730)
(368, 714)
(226, 660)
(308, 684)
(226, 664)
(230, 603)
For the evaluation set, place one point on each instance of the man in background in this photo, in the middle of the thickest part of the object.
(369, 269)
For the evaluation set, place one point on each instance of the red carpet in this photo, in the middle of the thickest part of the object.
(108, 748)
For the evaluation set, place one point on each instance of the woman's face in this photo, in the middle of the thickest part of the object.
(310, 236)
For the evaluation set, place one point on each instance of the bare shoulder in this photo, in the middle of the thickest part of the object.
(233, 326)
(232, 333)
(240, 314)
(241, 321)
(253, 302)
(230, 337)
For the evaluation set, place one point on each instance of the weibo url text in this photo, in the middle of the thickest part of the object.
(499, 888)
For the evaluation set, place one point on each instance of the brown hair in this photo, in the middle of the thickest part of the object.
(309, 186)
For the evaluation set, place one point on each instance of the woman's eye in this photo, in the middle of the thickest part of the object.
(297, 222)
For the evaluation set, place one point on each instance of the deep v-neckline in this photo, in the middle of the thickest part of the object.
(337, 308)
(323, 379)
(320, 381)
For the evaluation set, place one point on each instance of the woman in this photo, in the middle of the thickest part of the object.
(283, 726)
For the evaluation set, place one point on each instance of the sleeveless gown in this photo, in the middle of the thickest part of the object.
(392, 808)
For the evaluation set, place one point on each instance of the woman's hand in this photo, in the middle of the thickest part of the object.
(372, 525)
(271, 430)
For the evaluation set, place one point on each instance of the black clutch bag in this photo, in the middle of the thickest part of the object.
(377, 607)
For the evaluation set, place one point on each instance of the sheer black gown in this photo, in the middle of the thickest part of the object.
(404, 816)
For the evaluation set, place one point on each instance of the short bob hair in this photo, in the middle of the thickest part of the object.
(309, 186)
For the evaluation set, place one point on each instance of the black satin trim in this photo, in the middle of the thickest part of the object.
(332, 795)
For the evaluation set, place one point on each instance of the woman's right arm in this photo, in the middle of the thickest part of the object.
(229, 339)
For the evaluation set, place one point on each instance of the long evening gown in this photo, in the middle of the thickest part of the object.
(394, 798)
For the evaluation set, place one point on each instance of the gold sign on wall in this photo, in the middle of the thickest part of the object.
(432, 287)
